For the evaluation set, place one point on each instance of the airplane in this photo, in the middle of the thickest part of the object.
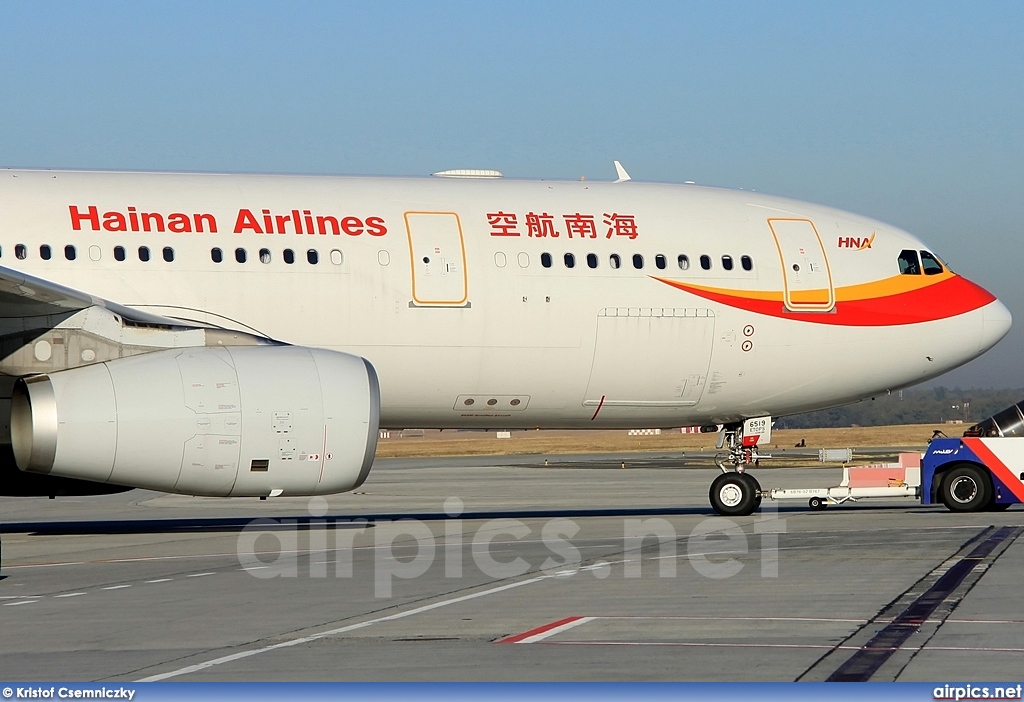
(249, 335)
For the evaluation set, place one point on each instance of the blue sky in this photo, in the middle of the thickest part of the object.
(911, 112)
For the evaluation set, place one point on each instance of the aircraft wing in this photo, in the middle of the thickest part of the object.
(23, 295)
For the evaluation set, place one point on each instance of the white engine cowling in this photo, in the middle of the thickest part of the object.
(228, 421)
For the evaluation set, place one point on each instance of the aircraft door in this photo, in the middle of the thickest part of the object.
(439, 276)
(806, 275)
(655, 358)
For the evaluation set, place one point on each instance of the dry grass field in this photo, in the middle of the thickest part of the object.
(912, 436)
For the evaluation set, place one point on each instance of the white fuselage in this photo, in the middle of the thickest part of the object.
(442, 284)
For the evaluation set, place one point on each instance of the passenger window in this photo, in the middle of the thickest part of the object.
(930, 264)
(614, 261)
(747, 263)
(684, 262)
(570, 260)
(289, 256)
(592, 260)
(217, 255)
(240, 255)
(500, 260)
(20, 252)
(638, 261)
(545, 260)
(727, 262)
(908, 263)
(705, 262)
(524, 260)
(660, 262)
(118, 253)
(168, 254)
(312, 257)
(264, 255)
(144, 253)
(44, 252)
(70, 253)
(336, 257)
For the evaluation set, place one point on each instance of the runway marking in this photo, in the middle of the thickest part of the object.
(18, 597)
(709, 644)
(15, 604)
(116, 587)
(557, 627)
(693, 644)
(739, 619)
(160, 580)
(199, 575)
(70, 594)
(543, 632)
(861, 666)
(340, 630)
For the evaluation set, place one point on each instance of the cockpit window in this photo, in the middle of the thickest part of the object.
(908, 263)
(930, 264)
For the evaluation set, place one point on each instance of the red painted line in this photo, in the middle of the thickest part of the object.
(516, 638)
(599, 406)
(1007, 476)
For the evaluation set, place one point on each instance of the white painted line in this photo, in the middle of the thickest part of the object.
(70, 594)
(160, 580)
(43, 565)
(247, 568)
(334, 632)
(116, 587)
(197, 575)
(15, 604)
(556, 630)
(978, 621)
(19, 597)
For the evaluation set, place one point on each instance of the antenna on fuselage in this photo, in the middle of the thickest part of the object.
(621, 172)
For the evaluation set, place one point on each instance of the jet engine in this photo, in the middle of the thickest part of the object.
(228, 421)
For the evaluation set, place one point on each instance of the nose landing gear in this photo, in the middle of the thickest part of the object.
(736, 493)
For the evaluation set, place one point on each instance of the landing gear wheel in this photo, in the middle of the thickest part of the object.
(817, 504)
(734, 494)
(756, 487)
(966, 488)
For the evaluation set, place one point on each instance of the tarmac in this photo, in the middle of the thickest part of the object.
(568, 568)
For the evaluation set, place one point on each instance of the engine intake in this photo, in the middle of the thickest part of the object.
(230, 421)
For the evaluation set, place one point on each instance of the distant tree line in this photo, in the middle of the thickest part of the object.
(915, 406)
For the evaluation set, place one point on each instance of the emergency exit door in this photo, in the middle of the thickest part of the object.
(438, 259)
(807, 280)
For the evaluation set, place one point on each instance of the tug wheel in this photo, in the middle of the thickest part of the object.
(966, 488)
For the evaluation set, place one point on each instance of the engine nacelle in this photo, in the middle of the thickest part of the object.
(229, 421)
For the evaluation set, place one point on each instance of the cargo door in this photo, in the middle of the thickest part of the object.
(656, 358)
(439, 276)
(806, 276)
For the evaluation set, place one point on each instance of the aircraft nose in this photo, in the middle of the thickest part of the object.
(996, 321)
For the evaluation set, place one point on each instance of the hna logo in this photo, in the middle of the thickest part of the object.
(856, 243)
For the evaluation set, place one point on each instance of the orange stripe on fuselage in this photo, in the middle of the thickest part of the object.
(901, 299)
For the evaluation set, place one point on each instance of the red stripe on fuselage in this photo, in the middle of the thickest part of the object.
(944, 299)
